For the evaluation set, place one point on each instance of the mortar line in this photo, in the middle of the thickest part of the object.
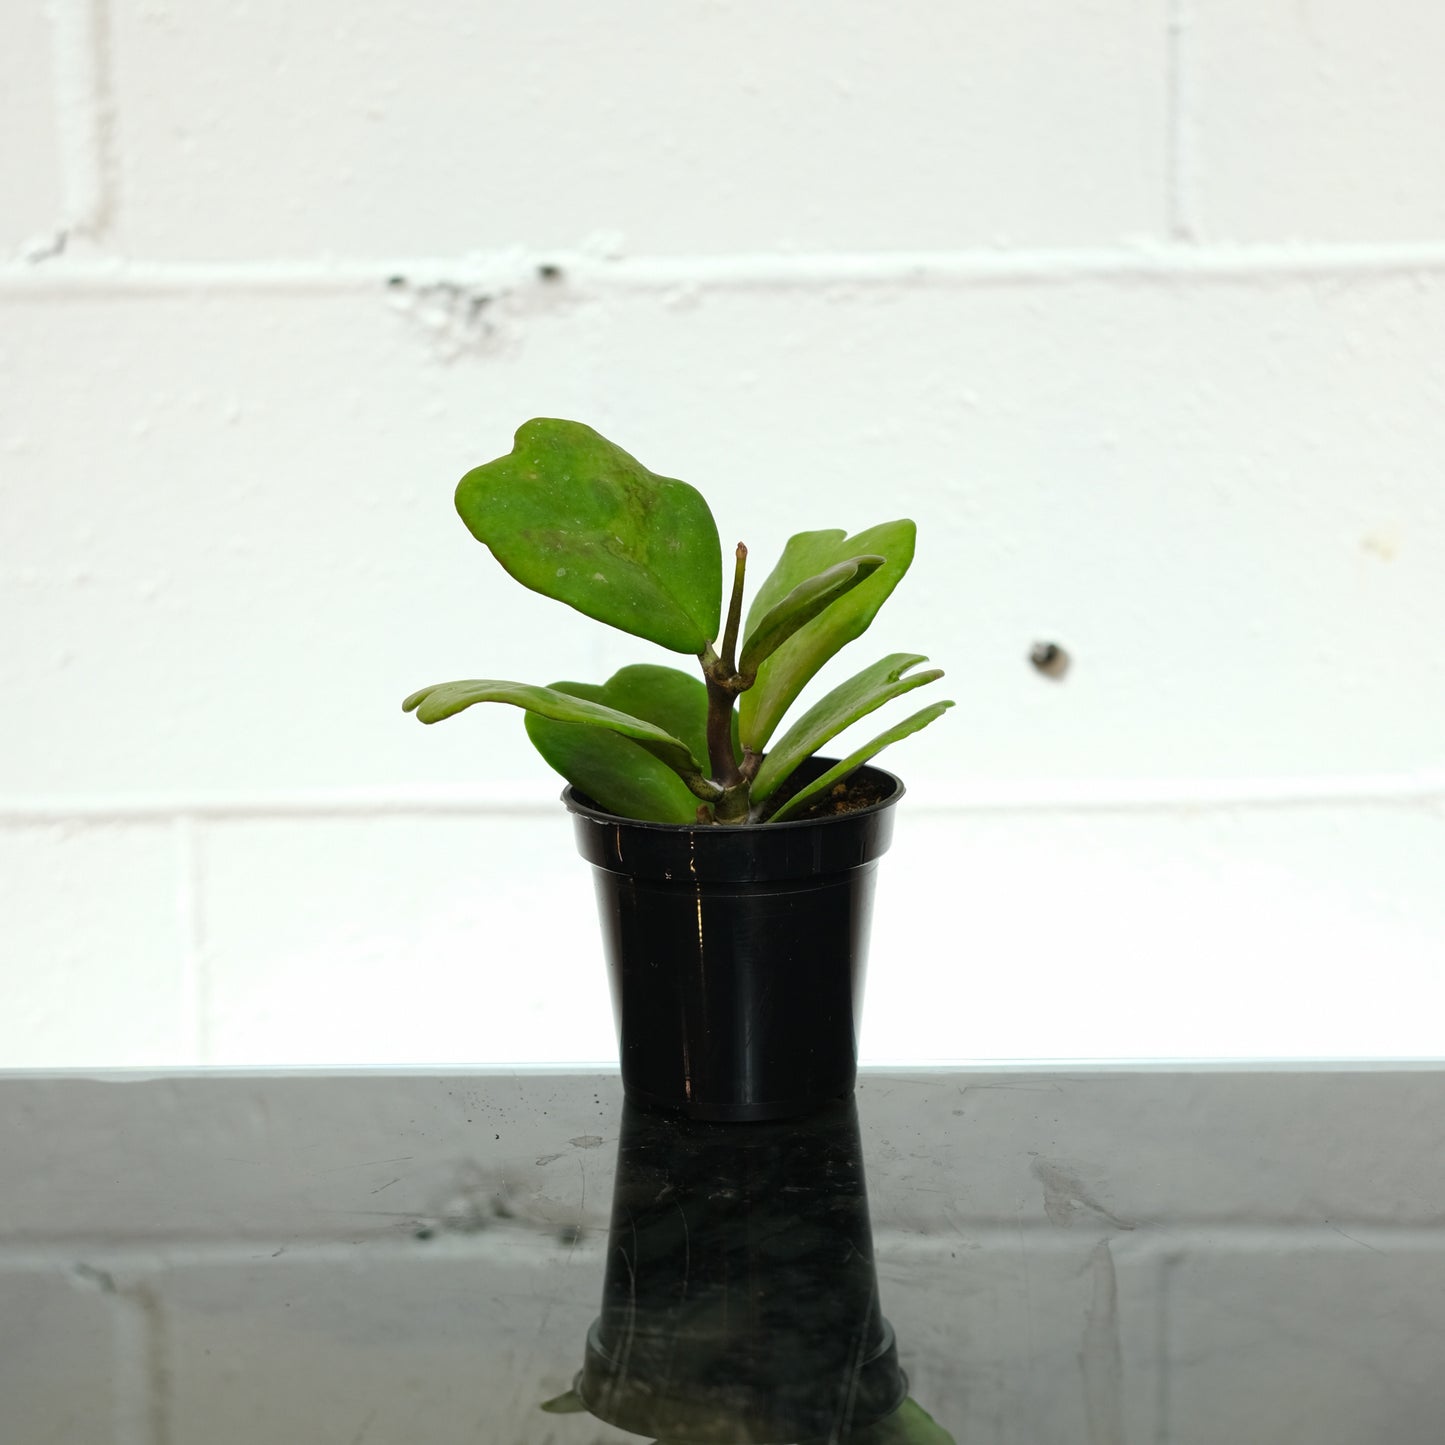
(140, 1401)
(1163, 263)
(1181, 155)
(80, 70)
(1163, 1271)
(1164, 1242)
(1425, 787)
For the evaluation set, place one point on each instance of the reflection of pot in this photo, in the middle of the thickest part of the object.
(736, 954)
(741, 1300)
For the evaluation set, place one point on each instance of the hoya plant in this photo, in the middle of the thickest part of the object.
(574, 517)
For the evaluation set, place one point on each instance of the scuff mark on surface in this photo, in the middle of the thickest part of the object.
(101, 1279)
(474, 1203)
(587, 1141)
(453, 314)
(1100, 1357)
(1345, 1234)
(1382, 544)
(1067, 1197)
(478, 314)
(46, 248)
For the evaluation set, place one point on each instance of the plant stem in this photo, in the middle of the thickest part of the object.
(733, 805)
(723, 686)
(720, 734)
(735, 611)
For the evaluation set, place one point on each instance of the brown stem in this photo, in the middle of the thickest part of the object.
(720, 735)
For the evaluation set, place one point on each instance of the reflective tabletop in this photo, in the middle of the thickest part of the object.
(1160, 1255)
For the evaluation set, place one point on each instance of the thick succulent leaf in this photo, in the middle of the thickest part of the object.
(854, 761)
(784, 675)
(664, 696)
(909, 1424)
(574, 517)
(861, 694)
(619, 774)
(568, 1404)
(801, 606)
(431, 704)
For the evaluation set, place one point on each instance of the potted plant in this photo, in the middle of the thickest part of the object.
(733, 864)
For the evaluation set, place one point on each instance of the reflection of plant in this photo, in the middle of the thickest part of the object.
(575, 518)
(909, 1424)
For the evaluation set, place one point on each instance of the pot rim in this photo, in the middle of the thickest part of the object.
(572, 800)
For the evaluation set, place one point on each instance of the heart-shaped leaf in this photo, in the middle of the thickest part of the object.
(861, 694)
(801, 606)
(784, 675)
(615, 772)
(839, 771)
(574, 517)
(432, 704)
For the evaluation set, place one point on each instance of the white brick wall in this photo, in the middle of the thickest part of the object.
(1139, 309)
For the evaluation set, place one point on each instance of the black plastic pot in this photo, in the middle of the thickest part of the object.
(741, 1299)
(736, 954)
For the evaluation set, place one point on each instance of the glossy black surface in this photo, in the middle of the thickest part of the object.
(1167, 1256)
(729, 1243)
(736, 956)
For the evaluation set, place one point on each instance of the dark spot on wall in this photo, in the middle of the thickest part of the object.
(1050, 660)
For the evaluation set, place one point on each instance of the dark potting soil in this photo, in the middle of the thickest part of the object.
(849, 796)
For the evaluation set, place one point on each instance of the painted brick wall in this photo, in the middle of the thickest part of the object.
(1138, 308)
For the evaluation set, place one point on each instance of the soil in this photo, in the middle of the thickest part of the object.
(849, 796)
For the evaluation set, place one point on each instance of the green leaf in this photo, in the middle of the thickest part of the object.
(614, 771)
(784, 675)
(568, 1404)
(861, 694)
(800, 606)
(432, 704)
(909, 1424)
(854, 761)
(574, 517)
